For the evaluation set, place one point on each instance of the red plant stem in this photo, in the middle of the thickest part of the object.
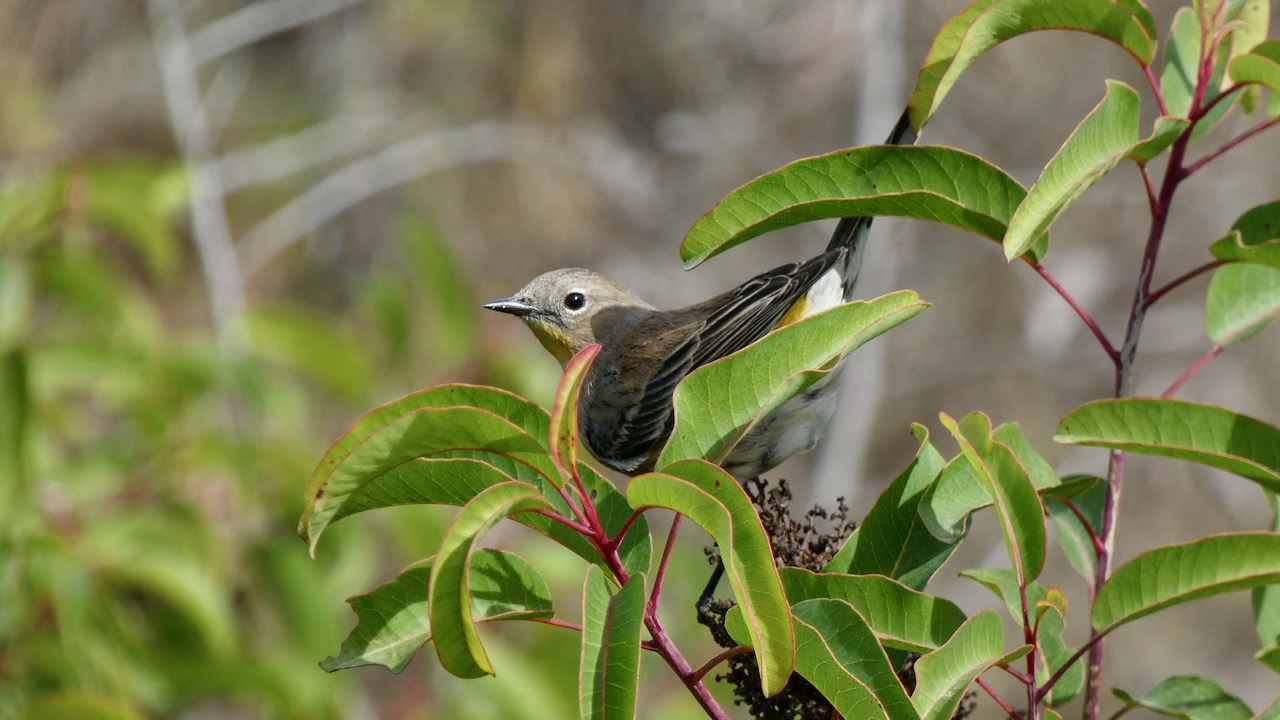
(576, 527)
(556, 622)
(1191, 371)
(1013, 714)
(1184, 277)
(662, 564)
(1232, 143)
(1075, 657)
(1155, 88)
(613, 542)
(1089, 322)
(1034, 711)
(1098, 546)
(731, 652)
(1020, 677)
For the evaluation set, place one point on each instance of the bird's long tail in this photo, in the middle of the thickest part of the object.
(852, 232)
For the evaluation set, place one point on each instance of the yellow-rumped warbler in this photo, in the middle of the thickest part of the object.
(625, 407)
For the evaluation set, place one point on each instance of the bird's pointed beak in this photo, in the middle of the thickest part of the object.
(511, 306)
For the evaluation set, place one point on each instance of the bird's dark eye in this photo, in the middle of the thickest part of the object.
(575, 300)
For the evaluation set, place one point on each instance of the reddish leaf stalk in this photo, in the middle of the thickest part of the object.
(1084, 314)
(1189, 275)
(662, 564)
(1191, 371)
(1004, 705)
(713, 662)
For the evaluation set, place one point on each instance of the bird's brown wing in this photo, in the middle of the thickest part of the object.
(627, 411)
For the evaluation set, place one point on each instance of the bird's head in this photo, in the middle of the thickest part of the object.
(571, 308)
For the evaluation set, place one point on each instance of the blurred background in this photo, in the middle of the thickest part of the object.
(228, 228)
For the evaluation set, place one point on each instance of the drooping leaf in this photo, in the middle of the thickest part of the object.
(449, 597)
(838, 653)
(899, 616)
(987, 23)
(1205, 434)
(393, 620)
(892, 539)
(609, 674)
(944, 675)
(1189, 697)
(1014, 496)
(1242, 299)
(1266, 602)
(941, 184)
(713, 499)
(717, 404)
(1105, 137)
(1175, 574)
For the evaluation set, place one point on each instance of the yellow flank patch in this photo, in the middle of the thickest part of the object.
(798, 311)
(555, 342)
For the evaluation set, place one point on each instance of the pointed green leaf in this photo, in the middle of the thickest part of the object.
(899, 616)
(838, 653)
(893, 540)
(1189, 697)
(944, 675)
(609, 675)
(711, 498)
(449, 598)
(1176, 574)
(1269, 656)
(564, 415)
(1255, 237)
(719, 403)
(1206, 434)
(1014, 496)
(987, 23)
(1242, 299)
(1054, 653)
(393, 621)
(941, 184)
(1104, 138)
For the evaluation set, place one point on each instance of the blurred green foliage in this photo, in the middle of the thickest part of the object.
(150, 480)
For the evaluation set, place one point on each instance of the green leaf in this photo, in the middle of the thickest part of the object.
(393, 620)
(1269, 656)
(609, 676)
(941, 184)
(1255, 237)
(449, 597)
(446, 444)
(1266, 599)
(987, 23)
(719, 403)
(1105, 137)
(893, 540)
(1242, 299)
(1181, 63)
(1189, 697)
(944, 675)
(1014, 496)
(1075, 538)
(899, 616)
(838, 653)
(1163, 134)
(1206, 434)
(711, 498)
(1260, 65)
(1176, 574)
(15, 411)
(564, 414)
